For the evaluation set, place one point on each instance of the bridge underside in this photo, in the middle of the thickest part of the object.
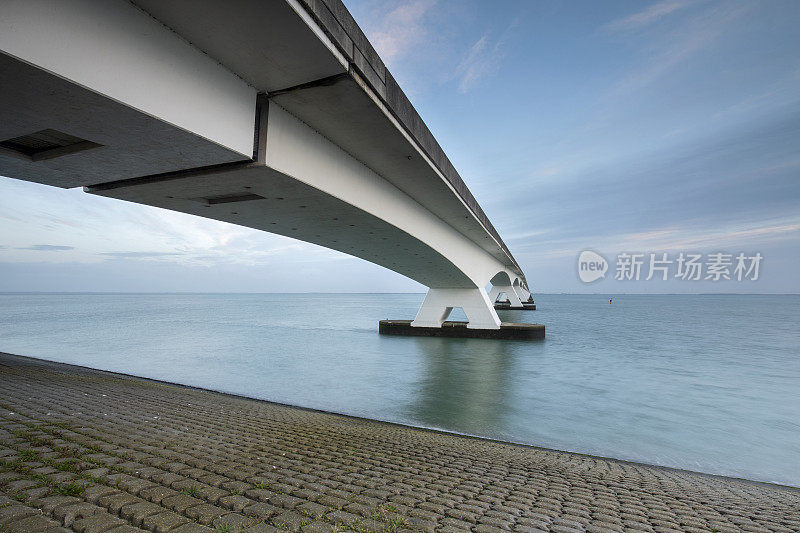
(272, 128)
(257, 196)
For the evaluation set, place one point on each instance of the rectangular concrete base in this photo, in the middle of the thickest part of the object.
(508, 330)
(506, 305)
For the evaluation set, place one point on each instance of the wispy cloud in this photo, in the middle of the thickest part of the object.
(680, 44)
(688, 238)
(680, 237)
(401, 29)
(140, 254)
(46, 248)
(483, 59)
(645, 17)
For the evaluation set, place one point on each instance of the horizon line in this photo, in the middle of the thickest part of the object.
(416, 293)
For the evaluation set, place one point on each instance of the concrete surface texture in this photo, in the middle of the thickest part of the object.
(89, 451)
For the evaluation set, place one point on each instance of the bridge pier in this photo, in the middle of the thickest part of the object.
(517, 297)
(511, 295)
(483, 322)
(439, 303)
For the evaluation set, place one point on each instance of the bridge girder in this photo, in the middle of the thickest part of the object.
(309, 149)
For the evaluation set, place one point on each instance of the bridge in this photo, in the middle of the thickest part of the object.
(272, 114)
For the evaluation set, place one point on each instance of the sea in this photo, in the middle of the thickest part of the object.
(709, 383)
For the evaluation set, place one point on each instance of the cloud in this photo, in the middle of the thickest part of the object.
(483, 60)
(140, 254)
(680, 44)
(47, 248)
(645, 17)
(687, 238)
(684, 237)
(401, 29)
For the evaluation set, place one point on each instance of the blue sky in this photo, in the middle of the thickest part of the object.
(613, 126)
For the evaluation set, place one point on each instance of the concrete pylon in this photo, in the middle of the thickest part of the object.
(524, 294)
(510, 293)
(475, 303)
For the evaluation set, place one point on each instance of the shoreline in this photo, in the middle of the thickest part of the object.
(95, 450)
(409, 426)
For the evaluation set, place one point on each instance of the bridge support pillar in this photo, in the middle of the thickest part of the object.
(511, 295)
(516, 297)
(524, 294)
(439, 303)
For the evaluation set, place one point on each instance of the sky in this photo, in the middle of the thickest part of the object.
(618, 127)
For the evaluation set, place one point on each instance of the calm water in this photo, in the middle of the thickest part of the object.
(708, 383)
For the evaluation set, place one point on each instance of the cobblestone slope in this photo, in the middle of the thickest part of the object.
(90, 452)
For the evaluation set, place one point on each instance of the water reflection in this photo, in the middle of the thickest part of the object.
(465, 383)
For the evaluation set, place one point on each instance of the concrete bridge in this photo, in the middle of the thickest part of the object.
(271, 114)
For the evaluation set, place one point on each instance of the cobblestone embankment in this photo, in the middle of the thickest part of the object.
(90, 452)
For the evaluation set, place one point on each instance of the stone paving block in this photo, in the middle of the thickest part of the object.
(180, 502)
(261, 495)
(496, 522)
(167, 478)
(163, 521)
(462, 515)
(318, 527)
(261, 511)
(115, 502)
(233, 521)
(603, 528)
(359, 509)
(97, 523)
(205, 513)
(456, 524)
(260, 528)
(234, 503)
(5, 477)
(236, 488)
(93, 493)
(68, 513)
(157, 493)
(31, 524)
(19, 485)
(485, 528)
(137, 512)
(285, 501)
(192, 528)
(314, 510)
(96, 472)
(333, 502)
(49, 503)
(35, 493)
(15, 512)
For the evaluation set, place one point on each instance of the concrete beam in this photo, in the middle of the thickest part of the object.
(113, 48)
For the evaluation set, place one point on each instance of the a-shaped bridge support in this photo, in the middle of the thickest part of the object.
(511, 296)
(439, 303)
(507, 295)
(477, 305)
